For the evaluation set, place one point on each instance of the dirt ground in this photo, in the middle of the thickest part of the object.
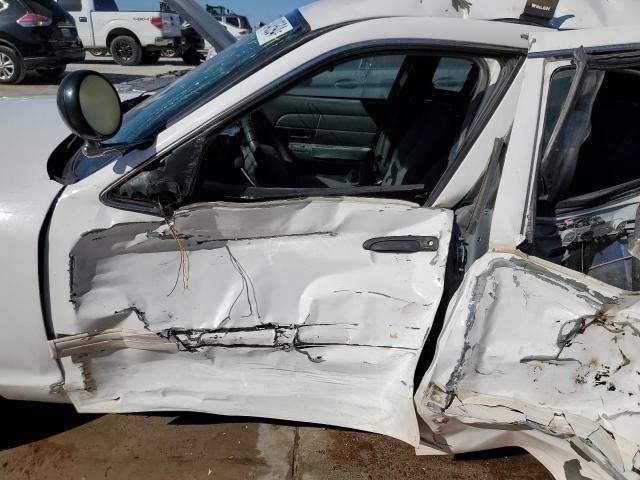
(39, 441)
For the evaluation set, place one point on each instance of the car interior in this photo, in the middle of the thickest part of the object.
(589, 189)
(383, 125)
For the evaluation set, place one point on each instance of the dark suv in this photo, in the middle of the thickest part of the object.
(36, 35)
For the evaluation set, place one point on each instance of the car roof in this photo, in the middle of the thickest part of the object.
(569, 14)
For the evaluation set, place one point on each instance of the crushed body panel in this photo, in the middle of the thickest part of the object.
(531, 351)
(283, 312)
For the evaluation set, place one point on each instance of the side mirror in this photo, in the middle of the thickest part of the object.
(90, 106)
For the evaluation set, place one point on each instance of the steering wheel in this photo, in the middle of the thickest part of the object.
(274, 170)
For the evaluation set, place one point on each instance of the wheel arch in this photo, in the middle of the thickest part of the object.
(7, 43)
(117, 32)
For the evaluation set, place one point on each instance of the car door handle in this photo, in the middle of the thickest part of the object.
(346, 83)
(82, 19)
(300, 134)
(408, 244)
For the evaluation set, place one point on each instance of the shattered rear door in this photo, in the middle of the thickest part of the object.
(534, 354)
(312, 310)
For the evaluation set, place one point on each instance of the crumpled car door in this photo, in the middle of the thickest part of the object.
(541, 357)
(533, 354)
(311, 310)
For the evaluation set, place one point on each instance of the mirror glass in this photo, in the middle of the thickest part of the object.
(100, 105)
(90, 106)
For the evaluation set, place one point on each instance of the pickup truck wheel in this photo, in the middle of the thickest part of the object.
(97, 52)
(192, 57)
(11, 67)
(126, 51)
(151, 57)
(52, 73)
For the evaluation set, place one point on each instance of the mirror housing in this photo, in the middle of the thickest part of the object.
(90, 106)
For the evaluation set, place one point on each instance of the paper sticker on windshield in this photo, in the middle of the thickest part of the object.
(274, 30)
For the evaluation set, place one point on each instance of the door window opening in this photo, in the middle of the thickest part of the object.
(589, 189)
(378, 125)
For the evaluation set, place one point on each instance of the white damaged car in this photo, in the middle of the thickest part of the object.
(410, 218)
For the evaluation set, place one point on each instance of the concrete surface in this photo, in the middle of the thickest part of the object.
(53, 442)
(33, 84)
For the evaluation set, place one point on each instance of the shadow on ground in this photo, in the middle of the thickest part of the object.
(54, 442)
(27, 422)
(192, 418)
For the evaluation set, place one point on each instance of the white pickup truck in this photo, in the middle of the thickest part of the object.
(132, 37)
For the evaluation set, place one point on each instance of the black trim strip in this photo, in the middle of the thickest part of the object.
(568, 53)
(43, 267)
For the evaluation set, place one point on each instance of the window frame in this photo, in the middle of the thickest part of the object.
(552, 67)
(98, 7)
(363, 65)
(316, 65)
(623, 193)
(230, 19)
(603, 59)
(63, 4)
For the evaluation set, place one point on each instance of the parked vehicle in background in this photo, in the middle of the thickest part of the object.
(132, 37)
(237, 25)
(98, 52)
(192, 42)
(36, 35)
(192, 45)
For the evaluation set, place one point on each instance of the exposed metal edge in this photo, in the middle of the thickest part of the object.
(109, 340)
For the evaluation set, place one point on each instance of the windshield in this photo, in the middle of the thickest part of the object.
(199, 86)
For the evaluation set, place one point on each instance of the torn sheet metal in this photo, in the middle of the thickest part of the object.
(283, 313)
(538, 356)
(109, 340)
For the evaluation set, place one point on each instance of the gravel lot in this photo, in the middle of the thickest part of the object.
(54, 442)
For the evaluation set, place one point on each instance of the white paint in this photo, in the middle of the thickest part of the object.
(519, 170)
(26, 368)
(570, 14)
(528, 346)
(304, 324)
(542, 42)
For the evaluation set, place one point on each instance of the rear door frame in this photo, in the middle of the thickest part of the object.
(491, 385)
